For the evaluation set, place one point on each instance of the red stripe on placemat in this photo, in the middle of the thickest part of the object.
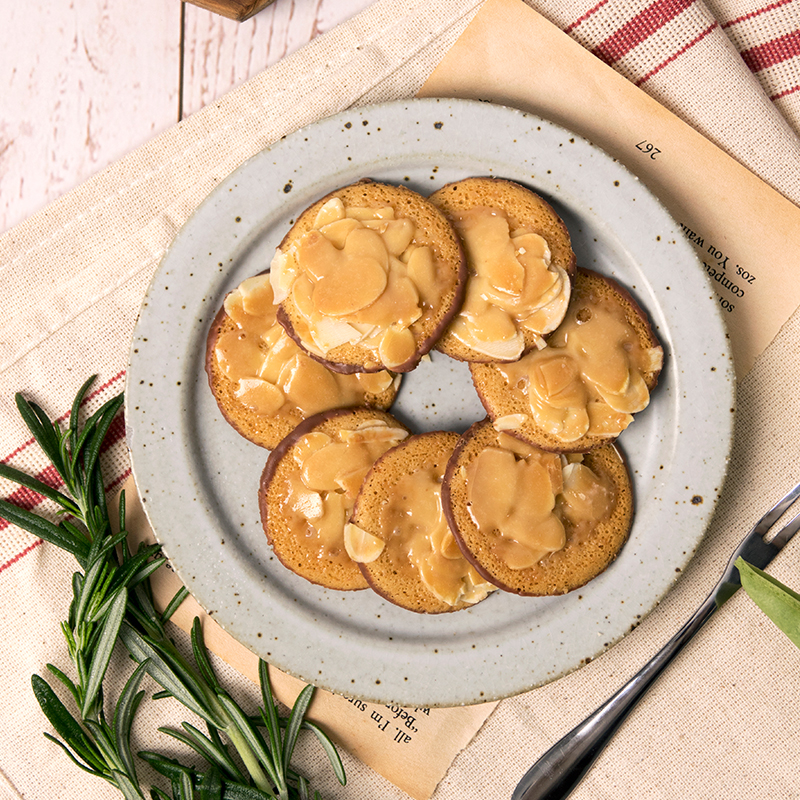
(700, 36)
(18, 556)
(90, 396)
(757, 13)
(641, 27)
(11, 561)
(785, 93)
(119, 479)
(764, 56)
(28, 499)
(571, 27)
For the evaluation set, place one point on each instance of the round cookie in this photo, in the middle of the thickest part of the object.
(293, 386)
(520, 263)
(415, 562)
(368, 278)
(309, 485)
(581, 390)
(579, 548)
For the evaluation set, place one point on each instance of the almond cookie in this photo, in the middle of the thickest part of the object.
(409, 555)
(368, 278)
(581, 390)
(309, 485)
(520, 264)
(264, 384)
(534, 522)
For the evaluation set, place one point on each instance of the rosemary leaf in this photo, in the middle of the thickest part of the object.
(302, 788)
(71, 756)
(130, 791)
(86, 594)
(75, 411)
(295, 721)
(253, 739)
(162, 672)
(44, 529)
(128, 702)
(66, 681)
(211, 787)
(105, 645)
(65, 724)
(330, 749)
(42, 430)
(146, 571)
(167, 767)
(123, 576)
(201, 656)
(187, 789)
(269, 716)
(173, 604)
(29, 482)
(238, 791)
(104, 416)
(215, 755)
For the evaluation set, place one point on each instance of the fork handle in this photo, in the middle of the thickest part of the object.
(561, 768)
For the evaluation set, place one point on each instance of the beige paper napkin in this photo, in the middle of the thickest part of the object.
(109, 235)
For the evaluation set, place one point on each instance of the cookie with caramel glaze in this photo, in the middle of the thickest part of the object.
(264, 384)
(532, 522)
(309, 485)
(580, 391)
(520, 264)
(410, 556)
(368, 278)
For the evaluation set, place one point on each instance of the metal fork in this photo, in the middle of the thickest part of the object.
(561, 768)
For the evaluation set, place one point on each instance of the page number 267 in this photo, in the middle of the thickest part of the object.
(648, 148)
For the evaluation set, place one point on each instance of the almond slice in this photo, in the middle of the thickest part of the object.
(259, 395)
(362, 546)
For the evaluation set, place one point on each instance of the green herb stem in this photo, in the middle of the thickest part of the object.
(113, 602)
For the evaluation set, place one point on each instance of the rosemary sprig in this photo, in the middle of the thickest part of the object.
(113, 602)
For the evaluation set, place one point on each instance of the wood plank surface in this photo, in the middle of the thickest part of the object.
(85, 82)
(82, 84)
(220, 53)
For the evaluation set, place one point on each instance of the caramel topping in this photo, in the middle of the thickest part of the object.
(590, 377)
(515, 497)
(360, 276)
(272, 374)
(584, 499)
(512, 287)
(319, 494)
(420, 544)
(522, 499)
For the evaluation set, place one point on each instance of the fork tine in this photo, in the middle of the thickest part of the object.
(786, 532)
(776, 512)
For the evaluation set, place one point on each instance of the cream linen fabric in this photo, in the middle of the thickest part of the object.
(720, 723)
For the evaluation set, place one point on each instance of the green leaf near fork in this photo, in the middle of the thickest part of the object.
(776, 600)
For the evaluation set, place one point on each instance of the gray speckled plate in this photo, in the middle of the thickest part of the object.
(199, 479)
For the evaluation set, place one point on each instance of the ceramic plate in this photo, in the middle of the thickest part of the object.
(199, 479)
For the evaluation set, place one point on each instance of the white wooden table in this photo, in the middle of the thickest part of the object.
(85, 82)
